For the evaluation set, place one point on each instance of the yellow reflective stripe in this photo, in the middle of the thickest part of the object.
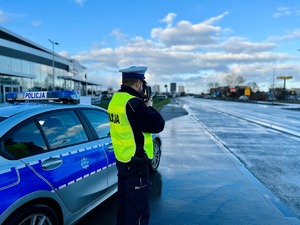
(123, 143)
(148, 145)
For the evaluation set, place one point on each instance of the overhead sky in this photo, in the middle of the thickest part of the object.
(191, 42)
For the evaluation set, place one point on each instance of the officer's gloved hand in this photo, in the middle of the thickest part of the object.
(149, 102)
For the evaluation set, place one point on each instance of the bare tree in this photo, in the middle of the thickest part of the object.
(253, 85)
(233, 80)
(213, 85)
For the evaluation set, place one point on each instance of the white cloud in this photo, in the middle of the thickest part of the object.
(240, 44)
(185, 33)
(165, 62)
(7, 17)
(215, 19)
(282, 11)
(183, 52)
(2, 17)
(169, 19)
(36, 23)
(80, 2)
(295, 34)
(118, 34)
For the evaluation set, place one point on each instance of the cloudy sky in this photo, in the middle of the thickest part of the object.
(191, 42)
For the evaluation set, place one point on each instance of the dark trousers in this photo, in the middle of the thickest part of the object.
(133, 195)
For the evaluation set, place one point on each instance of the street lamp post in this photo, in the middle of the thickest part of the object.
(273, 86)
(53, 69)
(274, 68)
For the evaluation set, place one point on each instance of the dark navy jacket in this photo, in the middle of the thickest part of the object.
(141, 118)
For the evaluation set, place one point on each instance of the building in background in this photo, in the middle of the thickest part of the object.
(156, 88)
(180, 89)
(27, 66)
(173, 88)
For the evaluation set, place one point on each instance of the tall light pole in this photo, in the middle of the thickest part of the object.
(288, 68)
(273, 86)
(53, 70)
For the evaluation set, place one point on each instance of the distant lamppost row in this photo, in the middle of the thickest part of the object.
(53, 70)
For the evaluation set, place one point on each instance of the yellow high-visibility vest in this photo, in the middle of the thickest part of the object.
(121, 132)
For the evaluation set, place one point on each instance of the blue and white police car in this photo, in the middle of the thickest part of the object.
(56, 160)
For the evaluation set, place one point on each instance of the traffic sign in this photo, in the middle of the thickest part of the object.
(232, 89)
(247, 91)
(285, 77)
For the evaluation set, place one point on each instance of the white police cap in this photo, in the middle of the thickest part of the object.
(137, 72)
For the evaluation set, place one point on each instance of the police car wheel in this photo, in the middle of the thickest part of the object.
(37, 214)
(156, 158)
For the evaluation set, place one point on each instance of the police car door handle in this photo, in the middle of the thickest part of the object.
(110, 147)
(51, 163)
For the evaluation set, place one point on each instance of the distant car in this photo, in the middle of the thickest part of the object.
(56, 161)
(161, 97)
(243, 97)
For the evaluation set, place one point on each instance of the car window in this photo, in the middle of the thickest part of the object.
(62, 129)
(24, 141)
(99, 121)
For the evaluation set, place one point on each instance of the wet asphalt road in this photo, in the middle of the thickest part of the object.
(198, 182)
(263, 137)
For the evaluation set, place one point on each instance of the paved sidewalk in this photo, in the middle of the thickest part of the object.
(203, 184)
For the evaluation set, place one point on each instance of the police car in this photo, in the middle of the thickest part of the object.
(56, 160)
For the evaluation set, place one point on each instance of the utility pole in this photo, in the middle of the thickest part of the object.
(53, 69)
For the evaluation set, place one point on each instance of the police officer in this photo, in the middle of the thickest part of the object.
(132, 121)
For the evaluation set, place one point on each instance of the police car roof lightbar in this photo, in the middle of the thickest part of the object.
(50, 96)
